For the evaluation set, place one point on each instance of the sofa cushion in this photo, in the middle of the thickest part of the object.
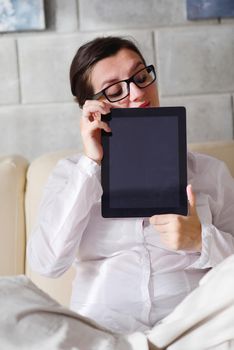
(12, 233)
(37, 176)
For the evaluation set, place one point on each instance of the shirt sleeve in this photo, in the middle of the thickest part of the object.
(72, 189)
(218, 237)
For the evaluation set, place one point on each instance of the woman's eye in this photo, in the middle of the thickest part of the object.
(141, 78)
(114, 91)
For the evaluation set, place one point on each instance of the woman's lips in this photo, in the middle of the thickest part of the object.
(144, 105)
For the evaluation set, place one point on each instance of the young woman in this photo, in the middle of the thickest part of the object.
(130, 273)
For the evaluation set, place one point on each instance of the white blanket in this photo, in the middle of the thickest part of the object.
(31, 320)
(205, 318)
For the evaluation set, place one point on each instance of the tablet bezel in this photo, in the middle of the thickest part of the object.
(182, 209)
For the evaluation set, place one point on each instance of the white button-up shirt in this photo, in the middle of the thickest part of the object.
(126, 279)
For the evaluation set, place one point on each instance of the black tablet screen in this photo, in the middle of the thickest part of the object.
(144, 164)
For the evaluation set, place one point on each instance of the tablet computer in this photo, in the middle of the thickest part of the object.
(144, 167)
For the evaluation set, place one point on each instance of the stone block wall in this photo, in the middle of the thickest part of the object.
(194, 62)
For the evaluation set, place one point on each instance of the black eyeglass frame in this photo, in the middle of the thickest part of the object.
(128, 81)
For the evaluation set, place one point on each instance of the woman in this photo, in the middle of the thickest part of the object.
(130, 273)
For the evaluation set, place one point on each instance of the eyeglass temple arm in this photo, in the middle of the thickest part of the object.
(96, 96)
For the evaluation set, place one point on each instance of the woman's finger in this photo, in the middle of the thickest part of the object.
(98, 124)
(90, 107)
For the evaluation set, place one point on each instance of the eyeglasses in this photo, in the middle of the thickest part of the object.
(118, 91)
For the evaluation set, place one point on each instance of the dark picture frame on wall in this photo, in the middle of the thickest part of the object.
(18, 15)
(208, 9)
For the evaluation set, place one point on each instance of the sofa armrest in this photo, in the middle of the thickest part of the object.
(12, 234)
(223, 150)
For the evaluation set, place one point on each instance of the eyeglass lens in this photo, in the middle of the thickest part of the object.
(120, 90)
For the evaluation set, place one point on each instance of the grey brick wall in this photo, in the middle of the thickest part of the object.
(9, 79)
(194, 63)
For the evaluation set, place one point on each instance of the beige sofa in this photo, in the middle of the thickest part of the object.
(20, 192)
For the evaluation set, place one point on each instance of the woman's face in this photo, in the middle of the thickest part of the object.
(120, 67)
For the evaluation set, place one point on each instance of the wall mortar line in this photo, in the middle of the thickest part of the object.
(18, 71)
(232, 109)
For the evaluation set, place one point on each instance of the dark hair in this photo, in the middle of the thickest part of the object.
(86, 57)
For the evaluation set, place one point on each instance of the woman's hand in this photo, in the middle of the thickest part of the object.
(180, 232)
(91, 126)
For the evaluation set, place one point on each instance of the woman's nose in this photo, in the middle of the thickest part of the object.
(135, 92)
